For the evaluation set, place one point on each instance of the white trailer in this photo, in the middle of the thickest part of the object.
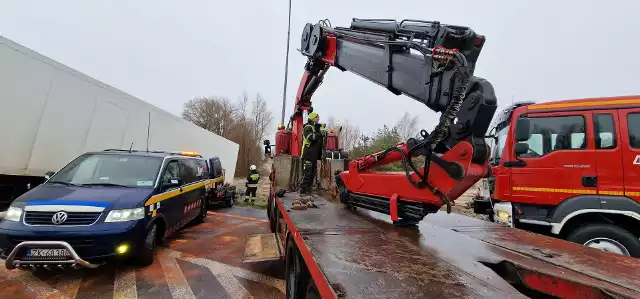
(50, 114)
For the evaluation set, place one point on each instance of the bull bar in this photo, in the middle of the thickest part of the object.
(11, 263)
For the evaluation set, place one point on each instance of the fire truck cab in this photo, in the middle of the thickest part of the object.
(570, 169)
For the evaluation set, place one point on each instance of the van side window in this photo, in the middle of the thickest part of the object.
(201, 171)
(549, 134)
(633, 123)
(189, 170)
(218, 167)
(605, 131)
(172, 171)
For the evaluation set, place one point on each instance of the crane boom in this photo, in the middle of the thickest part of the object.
(431, 63)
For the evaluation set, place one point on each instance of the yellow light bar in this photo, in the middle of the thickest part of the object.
(331, 130)
(280, 126)
(192, 154)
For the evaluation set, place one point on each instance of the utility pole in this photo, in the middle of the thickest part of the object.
(286, 69)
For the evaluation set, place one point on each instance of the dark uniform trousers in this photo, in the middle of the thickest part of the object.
(311, 148)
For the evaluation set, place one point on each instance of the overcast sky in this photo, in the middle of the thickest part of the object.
(167, 52)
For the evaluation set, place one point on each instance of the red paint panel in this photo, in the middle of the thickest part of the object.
(330, 50)
(393, 209)
(559, 287)
(387, 184)
(316, 274)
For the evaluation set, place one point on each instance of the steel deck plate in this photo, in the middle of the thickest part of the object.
(445, 256)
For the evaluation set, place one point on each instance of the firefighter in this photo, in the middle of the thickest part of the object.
(312, 141)
(252, 183)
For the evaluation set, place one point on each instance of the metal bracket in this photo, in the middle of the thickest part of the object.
(12, 263)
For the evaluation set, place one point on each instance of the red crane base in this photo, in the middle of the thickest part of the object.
(392, 193)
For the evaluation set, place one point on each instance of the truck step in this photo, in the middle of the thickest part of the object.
(261, 247)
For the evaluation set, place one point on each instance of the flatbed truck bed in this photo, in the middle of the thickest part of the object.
(349, 253)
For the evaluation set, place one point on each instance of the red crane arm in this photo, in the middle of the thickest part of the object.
(428, 62)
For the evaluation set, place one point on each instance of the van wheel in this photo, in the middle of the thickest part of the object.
(144, 255)
(607, 237)
(203, 212)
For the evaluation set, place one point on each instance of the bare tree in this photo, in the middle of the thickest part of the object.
(349, 135)
(261, 117)
(332, 122)
(407, 126)
(215, 114)
(234, 122)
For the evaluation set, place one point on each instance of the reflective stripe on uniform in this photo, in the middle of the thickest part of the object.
(305, 140)
(252, 185)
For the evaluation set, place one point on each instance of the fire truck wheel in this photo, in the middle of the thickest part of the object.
(607, 237)
(298, 278)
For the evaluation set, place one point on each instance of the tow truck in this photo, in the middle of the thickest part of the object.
(335, 250)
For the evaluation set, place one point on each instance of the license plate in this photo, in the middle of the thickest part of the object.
(35, 253)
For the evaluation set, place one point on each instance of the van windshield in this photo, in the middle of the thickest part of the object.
(109, 170)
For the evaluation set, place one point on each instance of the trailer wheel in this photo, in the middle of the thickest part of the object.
(607, 237)
(269, 212)
(272, 211)
(230, 201)
(312, 291)
(298, 278)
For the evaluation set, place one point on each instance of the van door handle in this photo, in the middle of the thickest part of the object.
(590, 181)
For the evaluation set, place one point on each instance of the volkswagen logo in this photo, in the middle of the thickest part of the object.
(59, 218)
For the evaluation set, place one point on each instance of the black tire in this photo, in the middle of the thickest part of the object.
(610, 234)
(272, 213)
(144, 255)
(297, 276)
(202, 216)
(312, 291)
(269, 212)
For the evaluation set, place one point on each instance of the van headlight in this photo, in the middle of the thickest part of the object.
(13, 214)
(125, 215)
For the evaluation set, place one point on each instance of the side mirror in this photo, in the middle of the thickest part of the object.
(266, 142)
(49, 174)
(521, 148)
(172, 183)
(523, 129)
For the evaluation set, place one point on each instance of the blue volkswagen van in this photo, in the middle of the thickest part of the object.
(105, 205)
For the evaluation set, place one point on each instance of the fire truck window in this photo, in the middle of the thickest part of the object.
(633, 123)
(556, 133)
(605, 132)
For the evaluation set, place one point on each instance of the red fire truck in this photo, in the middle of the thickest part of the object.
(570, 169)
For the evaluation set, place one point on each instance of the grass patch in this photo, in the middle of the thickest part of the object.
(259, 203)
